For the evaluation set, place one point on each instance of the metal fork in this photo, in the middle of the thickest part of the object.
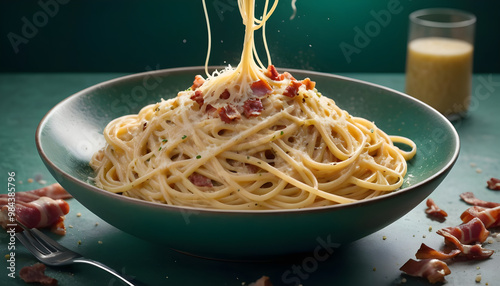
(52, 253)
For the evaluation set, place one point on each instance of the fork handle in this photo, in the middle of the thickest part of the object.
(104, 267)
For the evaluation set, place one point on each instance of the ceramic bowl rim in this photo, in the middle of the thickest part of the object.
(166, 207)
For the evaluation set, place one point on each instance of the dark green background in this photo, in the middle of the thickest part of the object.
(134, 36)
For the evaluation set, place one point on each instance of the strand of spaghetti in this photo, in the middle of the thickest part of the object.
(264, 165)
(236, 139)
(306, 174)
(209, 37)
(321, 129)
(406, 154)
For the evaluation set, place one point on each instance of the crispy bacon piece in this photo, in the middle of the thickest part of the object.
(425, 252)
(467, 233)
(54, 191)
(476, 252)
(261, 88)
(38, 208)
(228, 113)
(433, 270)
(200, 180)
(210, 109)
(309, 83)
(489, 216)
(225, 94)
(198, 81)
(494, 184)
(434, 211)
(40, 213)
(468, 251)
(59, 227)
(198, 97)
(252, 107)
(471, 199)
(272, 73)
(36, 274)
(286, 75)
(293, 89)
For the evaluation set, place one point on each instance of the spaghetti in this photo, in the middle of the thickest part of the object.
(249, 138)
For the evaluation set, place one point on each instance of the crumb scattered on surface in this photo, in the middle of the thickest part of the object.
(423, 236)
(79, 242)
(70, 226)
(479, 171)
(478, 278)
(430, 228)
(7, 256)
(384, 237)
(79, 214)
(96, 224)
(42, 182)
(30, 180)
(100, 242)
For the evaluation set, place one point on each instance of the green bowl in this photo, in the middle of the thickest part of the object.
(72, 131)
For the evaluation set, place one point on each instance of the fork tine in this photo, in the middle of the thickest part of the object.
(46, 241)
(31, 243)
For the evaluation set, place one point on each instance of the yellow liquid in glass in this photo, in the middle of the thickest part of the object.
(438, 72)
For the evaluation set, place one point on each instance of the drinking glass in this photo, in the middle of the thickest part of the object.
(439, 59)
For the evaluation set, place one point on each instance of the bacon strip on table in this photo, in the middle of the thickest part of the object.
(54, 191)
(44, 207)
(434, 211)
(425, 252)
(471, 199)
(36, 274)
(489, 216)
(473, 231)
(433, 270)
(476, 252)
(494, 184)
(40, 213)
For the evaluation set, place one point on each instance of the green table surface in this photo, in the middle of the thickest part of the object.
(372, 260)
